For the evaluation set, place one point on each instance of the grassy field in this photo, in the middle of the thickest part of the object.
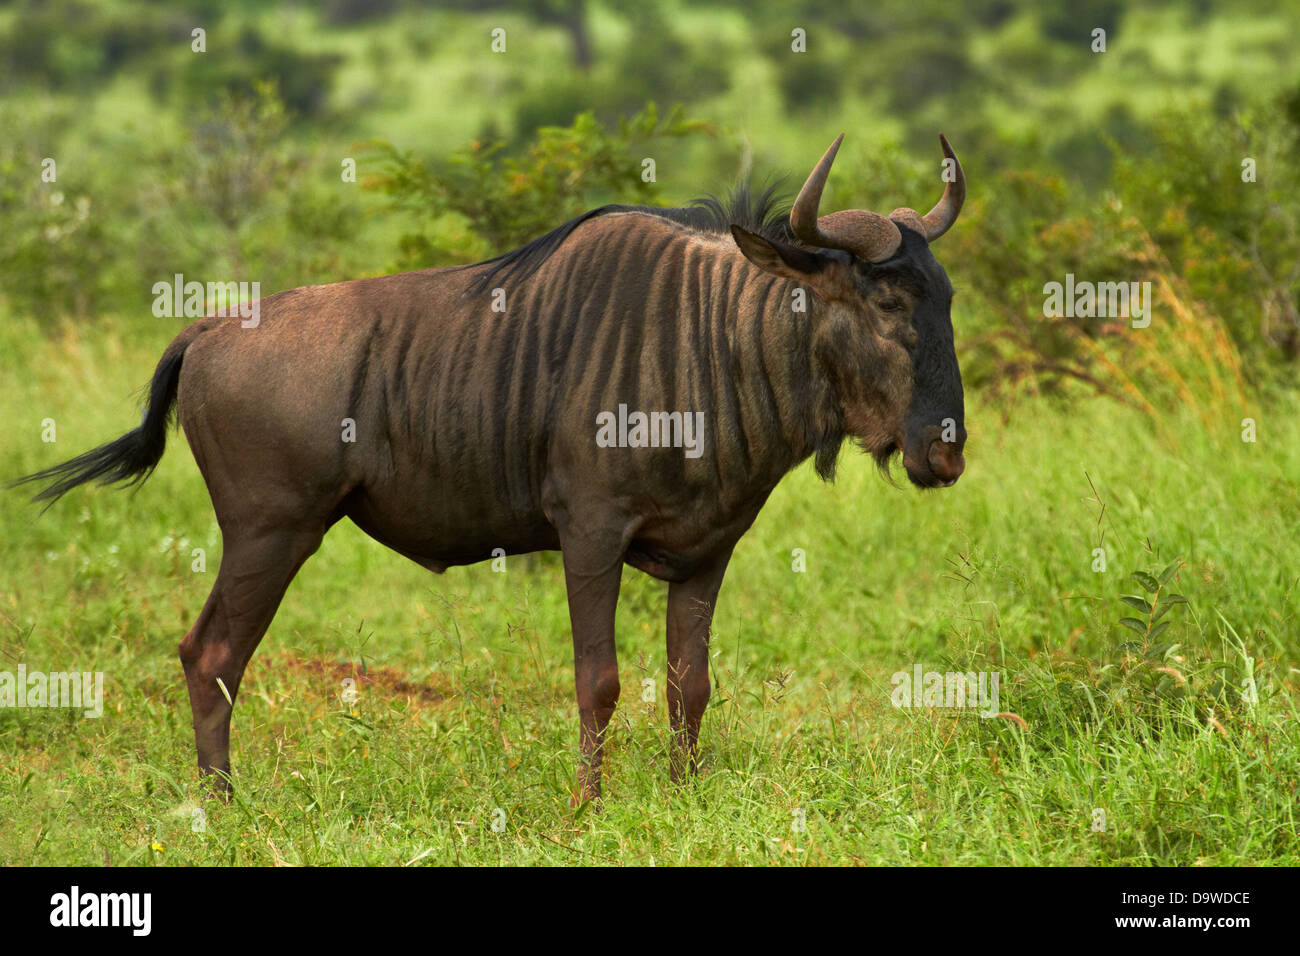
(465, 715)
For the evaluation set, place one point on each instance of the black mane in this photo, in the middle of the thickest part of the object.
(764, 212)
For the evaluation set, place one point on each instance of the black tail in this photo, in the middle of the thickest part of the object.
(133, 457)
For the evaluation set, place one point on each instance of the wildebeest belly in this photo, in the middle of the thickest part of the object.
(463, 521)
(441, 527)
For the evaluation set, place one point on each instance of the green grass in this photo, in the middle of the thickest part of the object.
(465, 689)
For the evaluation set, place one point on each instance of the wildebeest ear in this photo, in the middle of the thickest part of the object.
(779, 258)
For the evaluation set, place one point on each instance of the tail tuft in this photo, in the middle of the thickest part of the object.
(131, 458)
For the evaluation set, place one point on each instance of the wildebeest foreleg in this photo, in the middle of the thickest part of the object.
(690, 613)
(592, 575)
(255, 572)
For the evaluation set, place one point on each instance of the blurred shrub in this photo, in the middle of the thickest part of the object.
(655, 63)
(569, 15)
(69, 44)
(1026, 231)
(1237, 243)
(1074, 22)
(234, 158)
(56, 239)
(234, 200)
(916, 69)
(554, 103)
(344, 12)
(504, 201)
(239, 198)
(806, 80)
(54, 244)
(250, 60)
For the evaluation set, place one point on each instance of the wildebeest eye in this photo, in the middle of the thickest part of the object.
(891, 303)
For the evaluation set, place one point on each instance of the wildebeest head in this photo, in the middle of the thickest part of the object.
(883, 326)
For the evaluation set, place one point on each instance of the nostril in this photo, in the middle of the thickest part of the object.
(945, 460)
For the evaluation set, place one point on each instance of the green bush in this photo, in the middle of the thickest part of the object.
(503, 201)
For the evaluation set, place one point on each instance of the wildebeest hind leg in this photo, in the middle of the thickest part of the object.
(256, 568)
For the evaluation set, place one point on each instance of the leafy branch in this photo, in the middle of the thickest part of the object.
(1156, 608)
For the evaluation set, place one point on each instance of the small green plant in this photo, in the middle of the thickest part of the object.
(1151, 626)
(1151, 674)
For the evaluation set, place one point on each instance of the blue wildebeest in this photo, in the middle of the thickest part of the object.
(475, 431)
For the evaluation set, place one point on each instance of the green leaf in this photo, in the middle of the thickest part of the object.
(1162, 609)
(582, 810)
(1142, 604)
(1134, 624)
(1159, 629)
(1169, 572)
(1149, 584)
(1174, 599)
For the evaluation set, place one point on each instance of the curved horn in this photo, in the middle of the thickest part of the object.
(940, 219)
(865, 234)
(803, 217)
